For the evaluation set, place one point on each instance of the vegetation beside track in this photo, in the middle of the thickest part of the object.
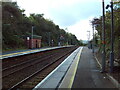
(16, 25)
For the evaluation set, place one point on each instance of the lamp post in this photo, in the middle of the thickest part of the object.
(112, 37)
(88, 35)
(49, 34)
(93, 37)
(103, 38)
(32, 37)
(88, 39)
(94, 23)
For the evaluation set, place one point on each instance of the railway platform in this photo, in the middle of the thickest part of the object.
(29, 51)
(79, 70)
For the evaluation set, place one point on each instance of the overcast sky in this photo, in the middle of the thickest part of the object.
(75, 15)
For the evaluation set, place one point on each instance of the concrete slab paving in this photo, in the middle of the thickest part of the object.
(74, 73)
(55, 77)
(88, 74)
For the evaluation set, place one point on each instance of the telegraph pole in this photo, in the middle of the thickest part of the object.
(103, 39)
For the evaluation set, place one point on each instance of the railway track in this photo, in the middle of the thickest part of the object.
(20, 75)
(27, 62)
(9, 62)
(15, 68)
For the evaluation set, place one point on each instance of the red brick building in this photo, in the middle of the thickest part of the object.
(34, 42)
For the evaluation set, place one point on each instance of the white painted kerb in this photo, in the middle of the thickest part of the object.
(55, 77)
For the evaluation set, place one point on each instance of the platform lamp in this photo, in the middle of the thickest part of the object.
(88, 35)
(112, 37)
(93, 37)
(88, 39)
(32, 37)
(94, 22)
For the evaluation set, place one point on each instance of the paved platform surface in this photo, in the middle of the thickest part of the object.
(54, 79)
(79, 70)
(29, 51)
(88, 73)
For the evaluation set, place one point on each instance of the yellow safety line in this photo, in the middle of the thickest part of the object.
(67, 82)
(75, 69)
(19, 53)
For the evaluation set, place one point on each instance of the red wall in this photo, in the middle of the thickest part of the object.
(36, 43)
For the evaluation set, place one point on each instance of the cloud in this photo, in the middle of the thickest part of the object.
(66, 14)
(80, 28)
(71, 14)
(62, 12)
(34, 6)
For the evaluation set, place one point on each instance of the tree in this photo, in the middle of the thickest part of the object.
(108, 32)
(16, 25)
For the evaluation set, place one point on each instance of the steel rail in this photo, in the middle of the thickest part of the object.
(32, 75)
(44, 58)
